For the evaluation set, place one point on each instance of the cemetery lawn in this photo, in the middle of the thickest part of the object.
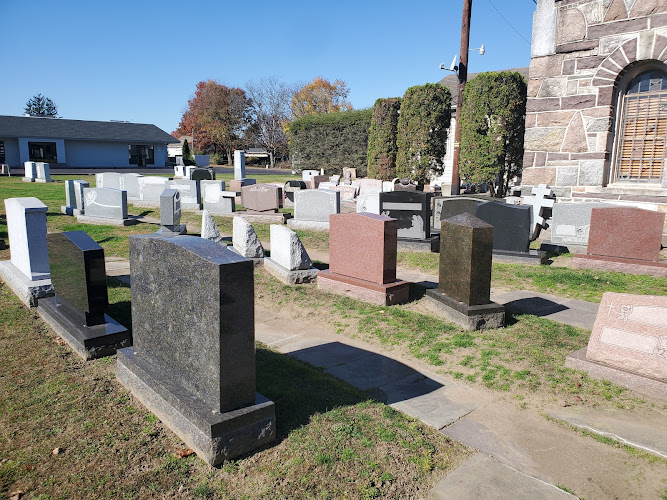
(68, 429)
(562, 281)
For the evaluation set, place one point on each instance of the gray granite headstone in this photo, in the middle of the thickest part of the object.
(287, 249)
(43, 172)
(245, 240)
(130, 183)
(108, 180)
(413, 211)
(445, 207)
(105, 203)
(218, 201)
(571, 222)
(70, 195)
(369, 202)
(239, 165)
(190, 192)
(151, 187)
(204, 183)
(195, 369)
(30, 169)
(170, 208)
(79, 186)
(316, 204)
(74, 197)
(511, 225)
(5, 170)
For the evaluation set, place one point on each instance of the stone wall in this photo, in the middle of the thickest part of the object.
(580, 51)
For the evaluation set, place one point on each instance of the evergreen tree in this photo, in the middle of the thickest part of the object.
(188, 159)
(39, 105)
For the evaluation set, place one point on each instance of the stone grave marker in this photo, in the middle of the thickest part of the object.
(150, 189)
(105, 206)
(316, 180)
(628, 344)
(74, 197)
(30, 171)
(43, 172)
(179, 171)
(412, 210)
(199, 381)
(245, 241)
(464, 287)
(289, 260)
(512, 228)
(307, 175)
(170, 213)
(362, 259)
(369, 202)
(239, 165)
(624, 239)
(5, 169)
(190, 193)
(262, 198)
(291, 187)
(130, 183)
(77, 312)
(335, 179)
(445, 207)
(368, 185)
(218, 201)
(202, 174)
(236, 185)
(570, 226)
(404, 185)
(108, 180)
(209, 231)
(541, 204)
(349, 173)
(27, 271)
(347, 192)
(312, 208)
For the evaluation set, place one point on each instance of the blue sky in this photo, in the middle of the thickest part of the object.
(140, 60)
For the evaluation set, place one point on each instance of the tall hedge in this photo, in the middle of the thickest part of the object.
(382, 139)
(422, 132)
(330, 141)
(492, 120)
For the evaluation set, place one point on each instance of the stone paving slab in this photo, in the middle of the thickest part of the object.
(483, 478)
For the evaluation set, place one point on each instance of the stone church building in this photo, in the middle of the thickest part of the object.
(596, 117)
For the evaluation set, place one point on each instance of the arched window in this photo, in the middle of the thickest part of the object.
(643, 128)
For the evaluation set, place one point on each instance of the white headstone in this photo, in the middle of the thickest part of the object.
(543, 199)
(209, 230)
(26, 225)
(30, 170)
(105, 203)
(43, 172)
(307, 175)
(369, 202)
(287, 249)
(245, 240)
(316, 204)
(239, 164)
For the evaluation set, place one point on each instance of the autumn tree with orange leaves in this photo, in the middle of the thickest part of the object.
(320, 96)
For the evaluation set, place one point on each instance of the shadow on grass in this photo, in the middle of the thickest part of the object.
(511, 318)
(320, 266)
(120, 305)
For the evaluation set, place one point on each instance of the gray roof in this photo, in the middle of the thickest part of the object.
(452, 81)
(82, 130)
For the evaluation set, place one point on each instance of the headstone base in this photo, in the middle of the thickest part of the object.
(290, 277)
(308, 225)
(28, 291)
(531, 257)
(388, 294)
(257, 217)
(88, 342)
(257, 261)
(70, 210)
(214, 436)
(27, 179)
(485, 316)
(431, 244)
(548, 246)
(165, 231)
(630, 266)
(43, 181)
(101, 221)
(645, 385)
(156, 204)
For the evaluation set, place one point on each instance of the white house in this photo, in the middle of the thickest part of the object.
(81, 143)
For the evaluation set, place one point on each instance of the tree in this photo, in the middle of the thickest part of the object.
(492, 121)
(422, 132)
(217, 117)
(320, 96)
(382, 139)
(39, 105)
(188, 159)
(270, 104)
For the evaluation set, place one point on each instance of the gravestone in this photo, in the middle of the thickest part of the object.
(190, 193)
(30, 171)
(202, 174)
(624, 239)
(335, 179)
(541, 204)
(105, 206)
(27, 271)
(412, 210)
(404, 185)
(74, 197)
(239, 165)
(368, 185)
(512, 227)
(346, 192)
(445, 207)
(236, 185)
(464, 287)
(289, 260)
(179, 171)
(362, 259)
(349, 173)
(78, 311)
(200, 381)
(570, 226)
(108, 180)
(291, 187)
(5, 170)
(218, 201)
(262, 198)
(150, 189)
(307, 175)
(628, 344)
(369, 202)
(245, 240)
(209, 231)
(312, 208)
(170, 213)
(43, 172)
(130, 183)
(316, 180)
(204, 183)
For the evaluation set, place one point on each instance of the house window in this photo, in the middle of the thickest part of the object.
(43, 151)
(643, 131)
(2, 152)
(141, 155)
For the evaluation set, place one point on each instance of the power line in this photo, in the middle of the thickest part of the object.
(508, 23)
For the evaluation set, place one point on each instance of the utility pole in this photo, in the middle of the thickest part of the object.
(463, 78)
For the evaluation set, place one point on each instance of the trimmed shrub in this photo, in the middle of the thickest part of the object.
(422, 132)
(492, 120)
(331, 141)
(382, 139)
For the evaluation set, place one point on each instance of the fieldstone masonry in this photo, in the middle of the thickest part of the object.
(581, 50)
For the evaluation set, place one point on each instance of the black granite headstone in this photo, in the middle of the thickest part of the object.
(202, 174)
(412, 209)
(291, 186)
(77, 312)
(511, 225)
(198, 361)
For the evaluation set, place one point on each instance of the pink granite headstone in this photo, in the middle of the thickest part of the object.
(626, 232)
(262, 197)
(630, 333)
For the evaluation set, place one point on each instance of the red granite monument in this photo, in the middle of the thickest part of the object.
(624, 239)
(362, 259)
(262, 198)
